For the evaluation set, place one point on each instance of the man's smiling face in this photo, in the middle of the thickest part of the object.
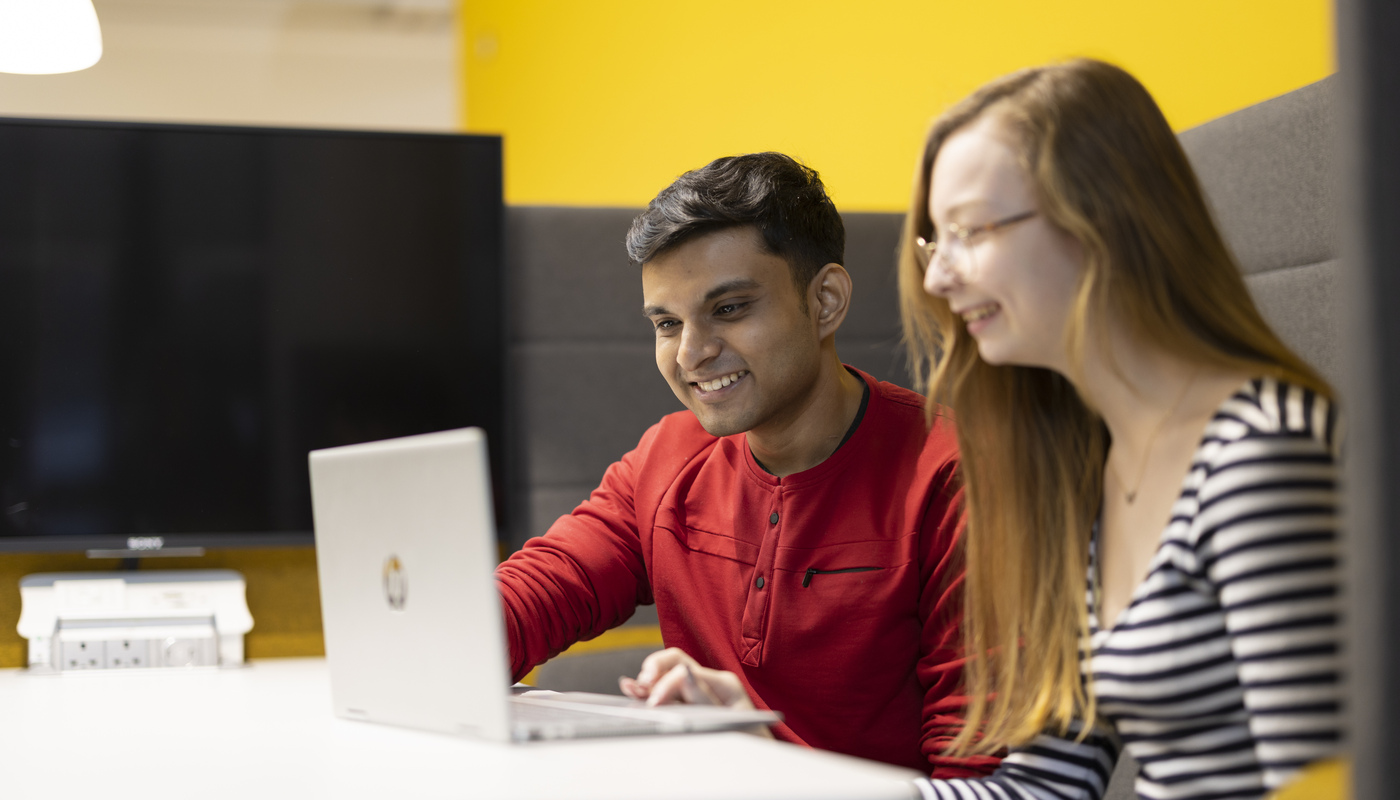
(732, 336)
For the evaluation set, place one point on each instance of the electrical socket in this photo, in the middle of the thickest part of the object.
(83, 655)
(128, 654)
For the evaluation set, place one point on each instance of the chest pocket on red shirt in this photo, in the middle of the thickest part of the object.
(813, 572)
(715, 544)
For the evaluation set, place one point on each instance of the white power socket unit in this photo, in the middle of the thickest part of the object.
(80, 621)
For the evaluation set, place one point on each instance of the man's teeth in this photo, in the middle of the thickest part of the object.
(720, 383)
(981, 312)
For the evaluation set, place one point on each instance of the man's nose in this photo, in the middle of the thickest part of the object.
(698, 345)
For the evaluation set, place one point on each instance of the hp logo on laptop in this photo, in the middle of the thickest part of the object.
(395, 584)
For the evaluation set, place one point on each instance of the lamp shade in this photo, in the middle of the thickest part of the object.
(40, 37)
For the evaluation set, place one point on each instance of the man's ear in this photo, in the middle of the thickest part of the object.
(829, 297)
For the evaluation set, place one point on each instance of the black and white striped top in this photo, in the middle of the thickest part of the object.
(1221, 676)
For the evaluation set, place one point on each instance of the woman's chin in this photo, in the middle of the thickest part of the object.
(1000, 353)
(991, 354)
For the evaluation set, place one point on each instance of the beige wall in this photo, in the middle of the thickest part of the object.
(316, 63)
(381, 64)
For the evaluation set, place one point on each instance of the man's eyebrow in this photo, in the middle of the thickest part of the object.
(736, 285)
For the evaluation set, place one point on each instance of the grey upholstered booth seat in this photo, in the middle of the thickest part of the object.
(585, 386)
(1267, 171)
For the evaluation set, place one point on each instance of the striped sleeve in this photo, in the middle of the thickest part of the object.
(1267, 542)
(1049, 768)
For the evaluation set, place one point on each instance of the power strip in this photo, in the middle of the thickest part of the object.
(135, 643)
(85, 621)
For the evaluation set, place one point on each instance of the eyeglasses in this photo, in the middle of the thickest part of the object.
(955, 260)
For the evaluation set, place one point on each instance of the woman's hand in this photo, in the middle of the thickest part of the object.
(671, 676)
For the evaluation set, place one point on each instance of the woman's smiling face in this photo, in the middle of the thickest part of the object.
(1014, 287)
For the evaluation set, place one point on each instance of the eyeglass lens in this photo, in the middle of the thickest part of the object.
(952, 257)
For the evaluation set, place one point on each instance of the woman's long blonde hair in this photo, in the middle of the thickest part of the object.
(1106, 169)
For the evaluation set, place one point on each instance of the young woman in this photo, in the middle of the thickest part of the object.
(1129, 426)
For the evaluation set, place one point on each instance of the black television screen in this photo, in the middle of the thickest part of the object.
(186, 311)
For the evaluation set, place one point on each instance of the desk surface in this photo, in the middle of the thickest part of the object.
(267, 731)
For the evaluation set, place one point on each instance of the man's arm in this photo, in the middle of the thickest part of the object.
(584, 576)
(940, 607)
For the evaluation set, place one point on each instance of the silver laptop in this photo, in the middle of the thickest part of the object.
(406, 552)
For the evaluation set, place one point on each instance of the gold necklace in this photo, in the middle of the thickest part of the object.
(1131, 494)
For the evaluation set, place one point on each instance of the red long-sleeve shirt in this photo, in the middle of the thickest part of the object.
(832, 593)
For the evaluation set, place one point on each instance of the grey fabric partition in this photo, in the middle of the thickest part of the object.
(585, 387)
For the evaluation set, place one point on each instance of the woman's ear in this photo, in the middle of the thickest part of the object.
(829, 297)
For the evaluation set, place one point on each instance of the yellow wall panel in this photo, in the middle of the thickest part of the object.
(604, 103)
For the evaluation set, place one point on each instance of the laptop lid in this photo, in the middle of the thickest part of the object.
(405, 551)
(405, 548)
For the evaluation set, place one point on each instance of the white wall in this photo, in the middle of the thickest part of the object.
(381, 64)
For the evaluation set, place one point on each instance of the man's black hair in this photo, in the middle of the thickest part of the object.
(779, 196)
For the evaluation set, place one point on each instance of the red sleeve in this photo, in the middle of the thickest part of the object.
(940, 605)
(584, 576)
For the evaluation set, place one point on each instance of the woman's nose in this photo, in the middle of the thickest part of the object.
(939, 280)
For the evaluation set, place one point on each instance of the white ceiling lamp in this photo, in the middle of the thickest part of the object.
(41, 37)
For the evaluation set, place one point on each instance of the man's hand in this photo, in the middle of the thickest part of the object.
(671, 676)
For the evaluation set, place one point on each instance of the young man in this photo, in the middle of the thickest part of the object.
(797, 525)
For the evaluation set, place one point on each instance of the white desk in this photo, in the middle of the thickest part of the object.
(267, 731)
